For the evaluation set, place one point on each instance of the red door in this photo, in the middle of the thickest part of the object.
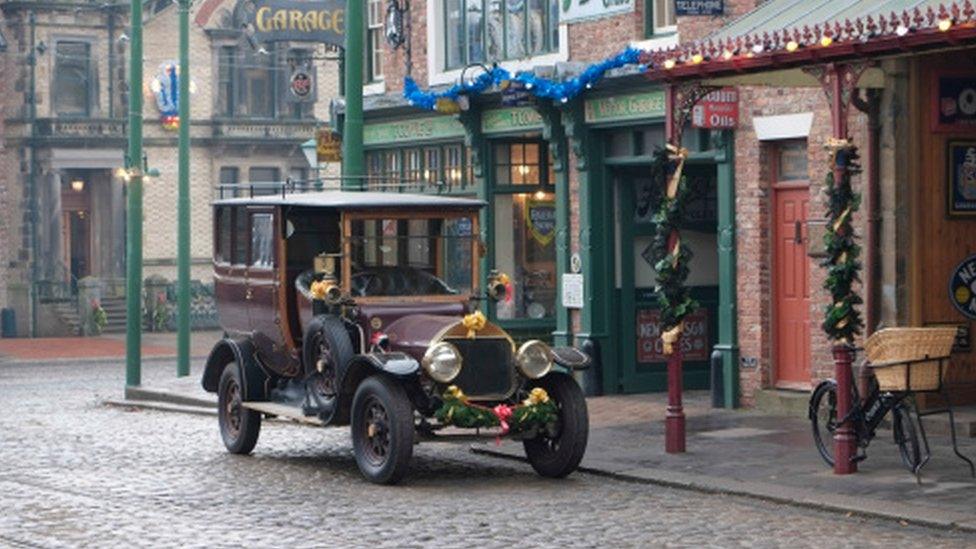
(791, 275)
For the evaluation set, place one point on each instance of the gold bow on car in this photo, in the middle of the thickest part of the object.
(474, 322)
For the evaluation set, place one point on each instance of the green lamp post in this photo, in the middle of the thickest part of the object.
(183, 202)
(133, 266)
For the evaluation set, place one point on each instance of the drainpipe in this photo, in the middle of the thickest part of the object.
(110, 15)
(32, 173)
(871, 106)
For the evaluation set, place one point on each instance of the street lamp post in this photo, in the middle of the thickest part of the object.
(353, 162)
(183, 202)
(133, 297)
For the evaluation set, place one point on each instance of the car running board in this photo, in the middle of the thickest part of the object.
(294, 413)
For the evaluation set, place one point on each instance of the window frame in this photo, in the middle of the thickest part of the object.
(550, 33)
(651, 29)
(58, 72)
(375, 30)
(377, 161)
(236, 57)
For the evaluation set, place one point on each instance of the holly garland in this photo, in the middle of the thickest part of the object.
(537, 410)
(671, 255)
(842, 320)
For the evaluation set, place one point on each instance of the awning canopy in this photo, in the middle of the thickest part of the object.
(773, 43)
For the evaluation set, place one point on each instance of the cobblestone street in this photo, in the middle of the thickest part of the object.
(77, 473)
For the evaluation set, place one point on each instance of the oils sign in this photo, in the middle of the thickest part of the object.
(282, 20)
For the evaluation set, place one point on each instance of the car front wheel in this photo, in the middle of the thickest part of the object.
(558, 453)
(382, 430)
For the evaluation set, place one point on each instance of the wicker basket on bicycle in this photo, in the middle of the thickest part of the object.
(898, 357)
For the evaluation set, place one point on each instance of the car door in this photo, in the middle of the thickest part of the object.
(231, 240)
(262, 293)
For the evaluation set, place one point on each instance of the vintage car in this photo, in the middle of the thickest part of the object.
(363, 308)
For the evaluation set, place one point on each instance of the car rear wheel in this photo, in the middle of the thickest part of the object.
(382, 430)
(558, 454)
(239, 427)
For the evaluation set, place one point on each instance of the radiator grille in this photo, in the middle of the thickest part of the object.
(488, 367)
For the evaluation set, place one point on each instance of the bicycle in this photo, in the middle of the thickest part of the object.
(865, 417)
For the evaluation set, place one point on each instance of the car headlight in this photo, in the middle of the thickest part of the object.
(442, 362)
(534, 359)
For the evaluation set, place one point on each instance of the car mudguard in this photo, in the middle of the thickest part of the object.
(570, 358)
(257, 380)
(397, 365)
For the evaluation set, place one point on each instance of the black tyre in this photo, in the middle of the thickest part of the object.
(906, 436)
(382, 430)
(326, 349)
(559, 454)
(823, 419)
(239, 427)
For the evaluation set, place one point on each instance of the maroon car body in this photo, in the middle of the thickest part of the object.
(320, 292)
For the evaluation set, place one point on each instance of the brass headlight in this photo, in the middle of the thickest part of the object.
(442, 362)
(534, 359)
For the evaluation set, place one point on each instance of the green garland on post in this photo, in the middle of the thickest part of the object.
(842, 320)
(671, 256)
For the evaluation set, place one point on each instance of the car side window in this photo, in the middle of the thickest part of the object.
(224, 233)
(262, 240)
(238, 255)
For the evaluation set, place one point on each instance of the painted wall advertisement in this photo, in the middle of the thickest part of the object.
(717, 110)
(962, 178)
(962, 287)
(694, 342)
(575, 10)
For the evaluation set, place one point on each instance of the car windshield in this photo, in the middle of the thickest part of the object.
(411, 257)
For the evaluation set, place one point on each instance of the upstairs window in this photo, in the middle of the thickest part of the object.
(374, 41)
(660, 18)
(485, 31)
(73, 87)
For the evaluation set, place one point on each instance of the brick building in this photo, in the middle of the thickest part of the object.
(61, 159)
(584, 165)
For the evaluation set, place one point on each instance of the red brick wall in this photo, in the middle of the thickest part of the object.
(695, 28)
(754, 195)
(395, 62)
(600, 38)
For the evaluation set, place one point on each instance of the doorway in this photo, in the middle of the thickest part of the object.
(76, 228)
(791, 266)
(642, 365)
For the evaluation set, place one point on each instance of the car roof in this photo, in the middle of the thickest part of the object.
(351, 200)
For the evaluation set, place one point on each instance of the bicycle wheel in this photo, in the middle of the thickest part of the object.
(906, 436)
(823, 419)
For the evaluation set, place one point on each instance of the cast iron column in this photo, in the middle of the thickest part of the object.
(183, 202)
(674, 422)
(845, 443)
(353, 163)
(133, 260)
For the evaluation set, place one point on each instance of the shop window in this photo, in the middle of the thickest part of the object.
(429, 169)
(453, 165)
(480, 31)
(374, 40)
(262, 240)
(525, 229)
(660, 18)
(432, 166)
(519, 164)
(73, 86)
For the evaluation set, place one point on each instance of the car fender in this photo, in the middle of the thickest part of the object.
(570, 358)
(397, 365)
(257, 380)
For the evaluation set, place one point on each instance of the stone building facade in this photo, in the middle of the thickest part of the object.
(63, 161)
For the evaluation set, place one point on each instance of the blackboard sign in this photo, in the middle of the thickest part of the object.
(962, 178)
(955, 106)
(699, 7)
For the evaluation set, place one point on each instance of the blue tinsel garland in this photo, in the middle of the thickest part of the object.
(537, 86)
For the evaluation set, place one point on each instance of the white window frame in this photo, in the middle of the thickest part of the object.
(436, 50)
(668, 7)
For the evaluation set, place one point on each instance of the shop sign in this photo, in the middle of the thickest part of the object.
(572, 290)
(962, 178)
(622, 108)
(575, 10)
(514, 94)
(962, 287)
(956, 103)
(694, 339)
(513, 119)
(283, 20)
(300, 86)
(718, 110)
(540, 217)
(683, 8)
(416, 129)
(328, 146)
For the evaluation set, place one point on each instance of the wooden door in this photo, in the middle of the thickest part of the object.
(791, 275)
